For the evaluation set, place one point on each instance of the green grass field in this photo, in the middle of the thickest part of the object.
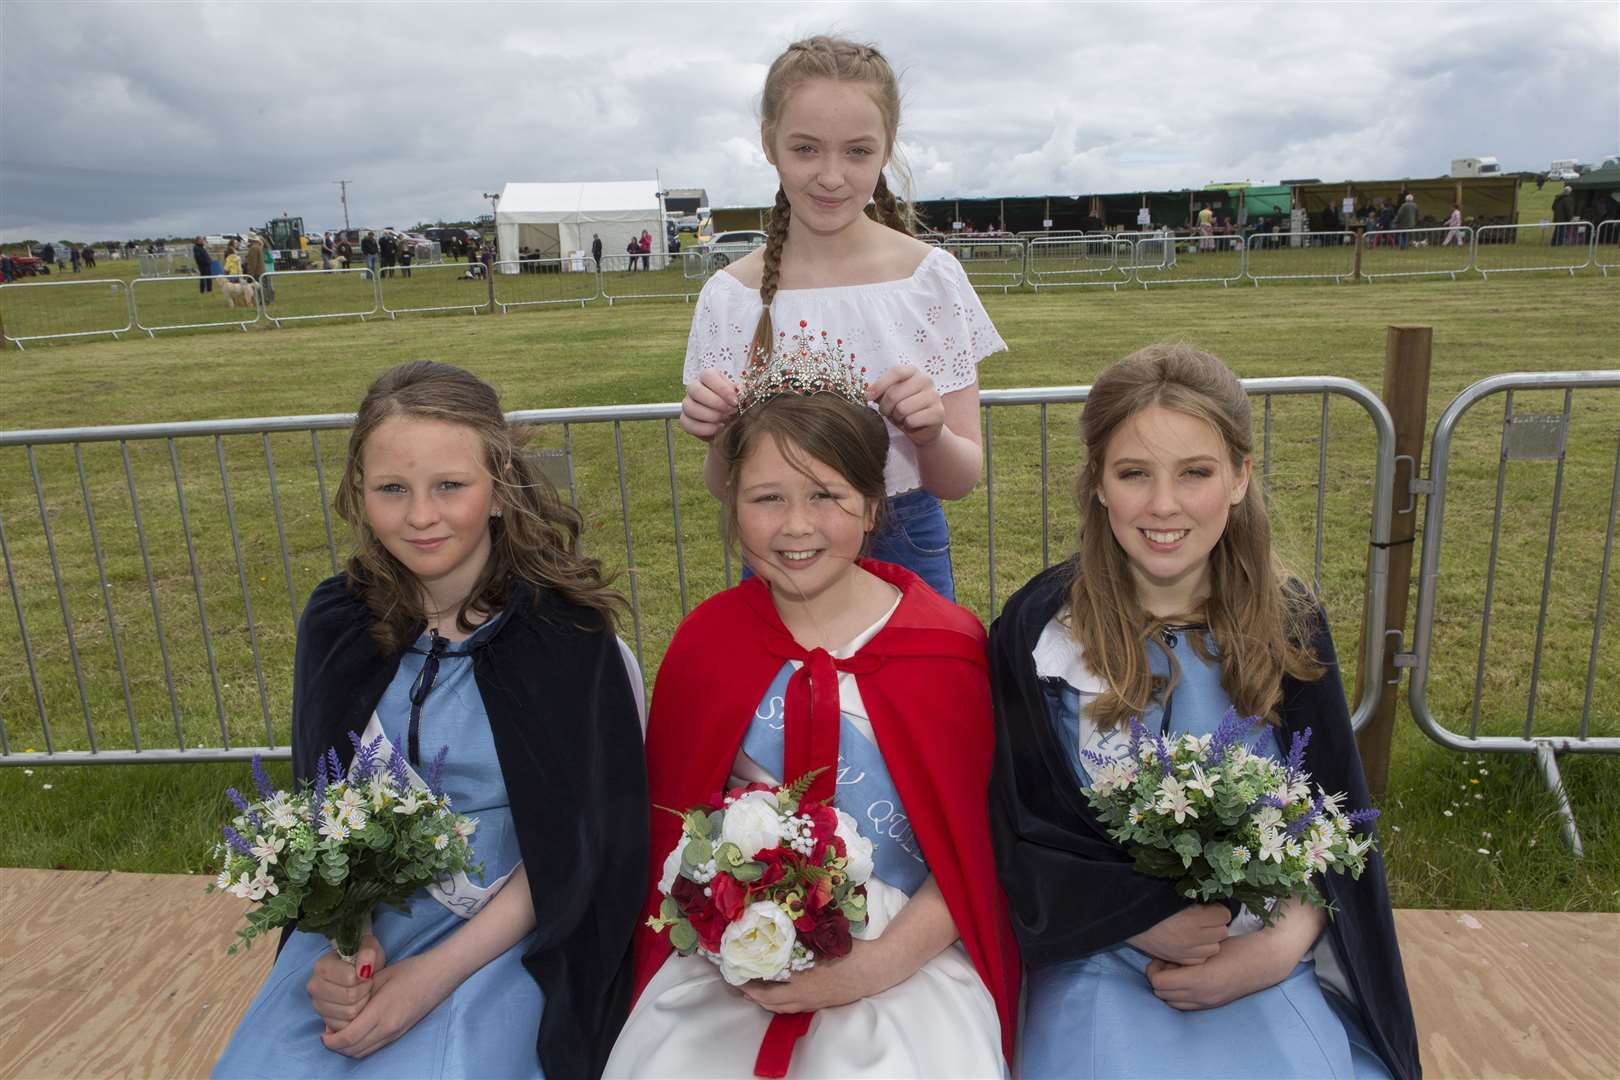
(1442, 808)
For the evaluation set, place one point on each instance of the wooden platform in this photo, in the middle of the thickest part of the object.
(105, 974)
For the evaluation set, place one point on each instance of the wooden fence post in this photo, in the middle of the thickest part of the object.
(1406, 394)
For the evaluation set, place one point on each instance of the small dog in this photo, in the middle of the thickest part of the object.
(242, 293)
(1420, 243)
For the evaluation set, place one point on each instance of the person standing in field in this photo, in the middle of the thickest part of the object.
(1454, 226)
(1206, 229)
(205, 266)
(830, 114)
(1406, 218)
(368, 248)
(596, 249)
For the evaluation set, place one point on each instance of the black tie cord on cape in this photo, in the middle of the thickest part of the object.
(568, 739)
(1072, 889)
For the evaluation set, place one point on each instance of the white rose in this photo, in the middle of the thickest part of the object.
(672, 868)
(857, 847)
(758, 945)
(753, 823)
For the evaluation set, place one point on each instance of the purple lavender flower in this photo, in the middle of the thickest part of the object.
(365, 757)
(436, 770)
(1232, 731)
(333, 765)
(261, 779)
(1298, 826)
(1361, 817)
(1094, 758)
(1273, 801)
(1164, 754)
(1138, 733)
(241, 846)
(1296, 754)
(396, 769)
(317, 797)
(242, 805)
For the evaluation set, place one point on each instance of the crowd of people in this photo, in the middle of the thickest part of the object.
(833, 375)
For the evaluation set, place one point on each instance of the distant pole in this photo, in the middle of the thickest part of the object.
(489, 273)
(343, 193)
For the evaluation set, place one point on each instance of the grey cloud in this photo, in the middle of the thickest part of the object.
(141, 118)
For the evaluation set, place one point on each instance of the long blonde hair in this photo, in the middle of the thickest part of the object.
(840, 60)
(1259, 614)
(536, 538)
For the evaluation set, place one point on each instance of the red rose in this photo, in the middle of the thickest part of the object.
(823, 820)
(701, 912)
(830, 936)
(730, 897)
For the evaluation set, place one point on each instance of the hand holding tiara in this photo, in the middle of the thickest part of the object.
(908, 399)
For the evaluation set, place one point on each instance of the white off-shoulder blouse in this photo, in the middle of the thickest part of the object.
(932, 320)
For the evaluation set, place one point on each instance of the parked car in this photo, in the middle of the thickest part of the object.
(728, 247)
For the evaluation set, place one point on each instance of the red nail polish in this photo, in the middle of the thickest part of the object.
(365, 971)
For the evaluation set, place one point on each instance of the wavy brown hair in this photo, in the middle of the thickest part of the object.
(1259, 614)
(851, 439)
(823, 57)
(536, 538)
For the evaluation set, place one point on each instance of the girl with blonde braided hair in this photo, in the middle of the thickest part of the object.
(840, 255)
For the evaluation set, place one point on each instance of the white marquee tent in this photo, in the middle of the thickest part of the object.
(552, 221)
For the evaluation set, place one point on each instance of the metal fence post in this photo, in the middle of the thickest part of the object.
(1407, 353)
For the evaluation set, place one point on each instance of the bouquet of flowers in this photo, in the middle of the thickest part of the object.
(326, 856)
(1224, 822)
(762, 883)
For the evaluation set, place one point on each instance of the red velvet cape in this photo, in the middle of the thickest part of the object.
(929, 705)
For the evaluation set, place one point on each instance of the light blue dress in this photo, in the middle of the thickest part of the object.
(489, 1025)
(1097, 1016)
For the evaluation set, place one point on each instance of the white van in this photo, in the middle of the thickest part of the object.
(1565, 169)
(1475, 166)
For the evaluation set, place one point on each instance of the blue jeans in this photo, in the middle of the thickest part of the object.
(916, 536)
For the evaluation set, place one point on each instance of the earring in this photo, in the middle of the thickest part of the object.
(495, 513)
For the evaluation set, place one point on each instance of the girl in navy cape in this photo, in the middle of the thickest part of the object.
(467, 620)
(1173, 610)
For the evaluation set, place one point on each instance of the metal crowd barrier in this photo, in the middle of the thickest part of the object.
(164, 263)
(1606, 245)
(541, 282)
(1526, 438)
(1155, 248)
(175, 303)
(695, 265)
(1074, 261)
(1303, 255)
(28, 304)
(1515, 249)
(1427, 252)
(989, 264)
(1187, 259)
(623, 278)
(321, 294)
(176, 557)
(434, 287)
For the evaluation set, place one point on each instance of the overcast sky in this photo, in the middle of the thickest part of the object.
(140, 118)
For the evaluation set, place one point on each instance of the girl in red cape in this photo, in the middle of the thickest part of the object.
(746, 694)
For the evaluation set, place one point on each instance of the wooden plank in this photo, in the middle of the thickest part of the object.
(1514, 993)
(109, 974)
(119, 974)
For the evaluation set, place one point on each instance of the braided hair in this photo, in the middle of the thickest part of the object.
(823, 57)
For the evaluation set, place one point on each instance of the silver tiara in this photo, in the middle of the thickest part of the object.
(806, 364)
